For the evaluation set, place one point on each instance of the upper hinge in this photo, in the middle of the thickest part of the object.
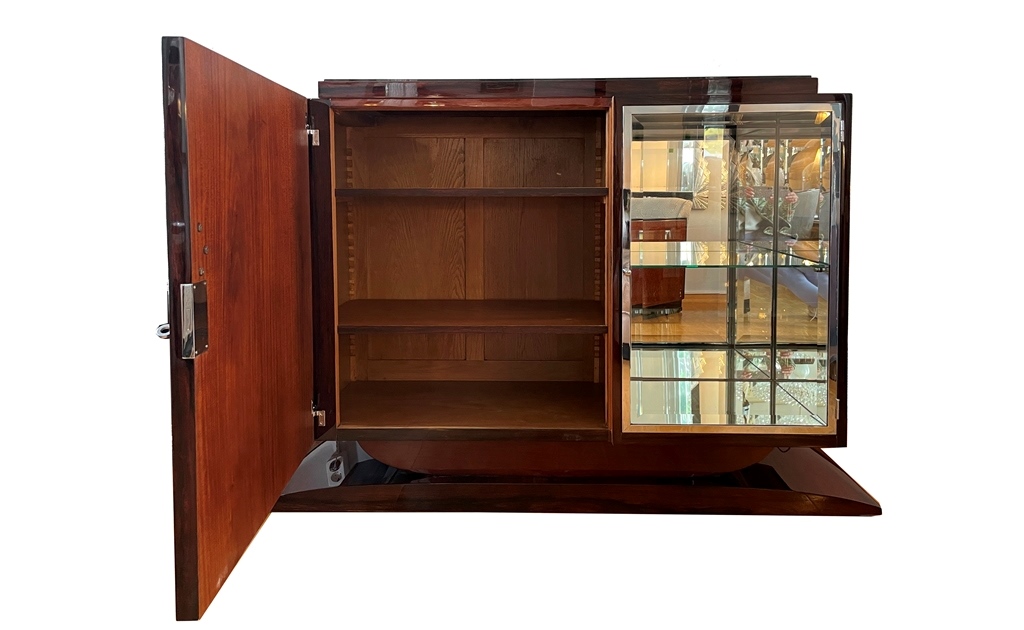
(319, 415)
(842, 130)
(313, 133)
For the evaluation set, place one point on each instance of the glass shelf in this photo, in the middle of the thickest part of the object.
(725, 254)
(729, 387)
(698, 402)
(791, 364)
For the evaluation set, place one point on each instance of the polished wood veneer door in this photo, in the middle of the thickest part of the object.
(238, 218)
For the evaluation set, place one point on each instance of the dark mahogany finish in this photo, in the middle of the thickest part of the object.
(564, 459)
(800, 481)
(179, 266)
(722, 89)
(844, 269)
(238, 218)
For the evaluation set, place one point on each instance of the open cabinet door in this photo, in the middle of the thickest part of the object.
(238, 221)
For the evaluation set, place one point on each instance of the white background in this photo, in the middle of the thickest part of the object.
(933, 401)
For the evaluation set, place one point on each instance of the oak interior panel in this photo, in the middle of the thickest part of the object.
(478, 370)
(537, 249)
(408, 162)
(535, 162)
(461, 404)
(471, 249)
(410, 250)
(430, 346)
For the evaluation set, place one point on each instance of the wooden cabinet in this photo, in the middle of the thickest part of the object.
(435, 270)
(658, 287)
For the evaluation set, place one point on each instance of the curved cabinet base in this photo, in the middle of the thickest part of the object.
(562, 459)
(800, 481)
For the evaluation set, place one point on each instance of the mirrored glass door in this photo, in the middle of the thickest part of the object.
(729, 308)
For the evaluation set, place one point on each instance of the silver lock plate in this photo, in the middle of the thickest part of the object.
(195, 329)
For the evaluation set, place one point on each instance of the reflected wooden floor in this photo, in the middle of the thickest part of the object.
(703, 320)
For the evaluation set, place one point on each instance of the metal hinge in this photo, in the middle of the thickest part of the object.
(842, 130)
(195, 328)
(314, 135)
(319, 415)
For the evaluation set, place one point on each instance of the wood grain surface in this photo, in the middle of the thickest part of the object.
(408, 162)
(561, 459)
(472, 206)
(536, 162)
(539, 316)
(538, 249)
(410, 250)
(500, 409)
(494, 191)
(248, 217)
(478, 370)
(535, 93)
(798, 481)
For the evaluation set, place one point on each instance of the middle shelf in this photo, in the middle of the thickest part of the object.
(453, 316)
(722, 254)
(488, 191)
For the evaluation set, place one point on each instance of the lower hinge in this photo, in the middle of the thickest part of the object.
(319, 416)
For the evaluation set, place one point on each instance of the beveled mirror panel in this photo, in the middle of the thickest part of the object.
(732, 216)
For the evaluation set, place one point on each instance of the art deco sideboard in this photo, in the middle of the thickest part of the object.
(433, 278)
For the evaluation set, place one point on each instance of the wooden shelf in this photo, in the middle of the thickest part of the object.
(474, 192)
(415, 410)
(495, 316)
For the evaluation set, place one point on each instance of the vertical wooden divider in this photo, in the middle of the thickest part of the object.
(595, 148)
(474, 161)
(342, 369)
(612, 359)
(359, 349)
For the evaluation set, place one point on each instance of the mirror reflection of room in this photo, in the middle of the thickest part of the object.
(729, 223)
(712, 197)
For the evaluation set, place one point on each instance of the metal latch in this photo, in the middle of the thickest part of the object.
(314, 134)
(195, 327)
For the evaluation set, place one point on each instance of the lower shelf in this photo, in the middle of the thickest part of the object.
(415, 410)
(799, 481)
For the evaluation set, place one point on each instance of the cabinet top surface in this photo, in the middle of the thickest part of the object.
(732, 88)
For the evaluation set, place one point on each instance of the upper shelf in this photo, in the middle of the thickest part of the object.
(690, 254)
(548, 191)
(497, 316)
